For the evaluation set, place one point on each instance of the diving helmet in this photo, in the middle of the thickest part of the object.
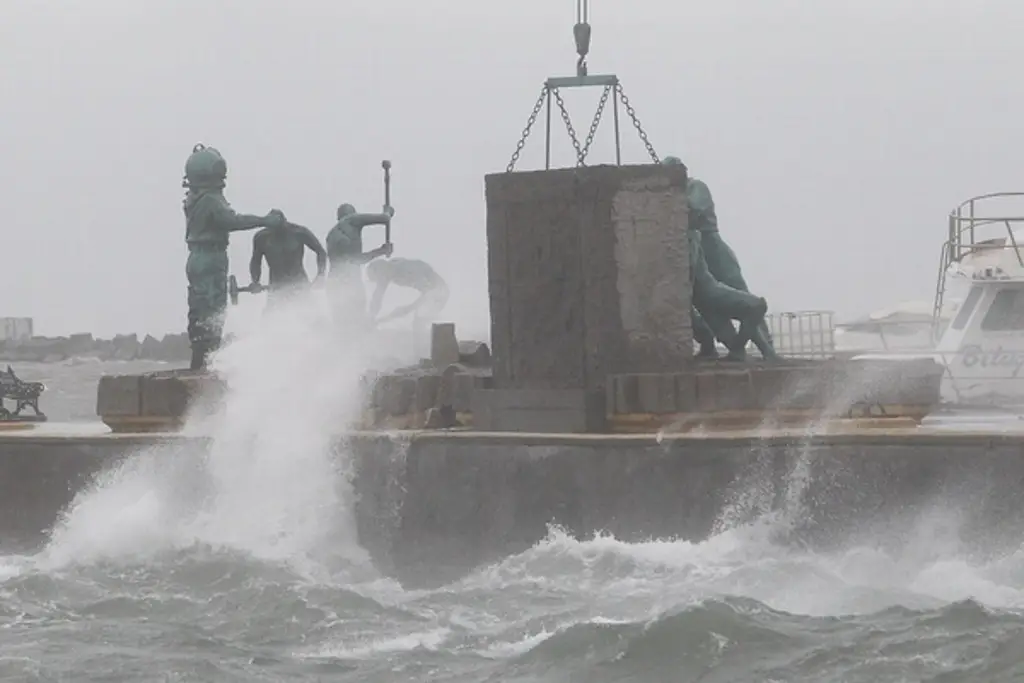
(205, 168)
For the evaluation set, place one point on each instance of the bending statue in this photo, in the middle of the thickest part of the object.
(413, 274)
(284, 248)
(209, 220)
(715, 308)
(345, 253)
(718, 304)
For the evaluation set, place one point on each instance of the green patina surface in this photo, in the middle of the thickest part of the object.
(209, 220)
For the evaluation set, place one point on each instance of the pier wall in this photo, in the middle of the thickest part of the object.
(431, 506)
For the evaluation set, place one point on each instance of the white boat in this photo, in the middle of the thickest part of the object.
(977, 316)
(908, 326)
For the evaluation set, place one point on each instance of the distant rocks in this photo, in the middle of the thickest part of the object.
(172, 347)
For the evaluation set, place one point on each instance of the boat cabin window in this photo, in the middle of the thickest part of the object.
(1007, 311)
(967, 308)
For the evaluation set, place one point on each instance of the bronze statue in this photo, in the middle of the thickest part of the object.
(345, 254)
(284, 248)
(411, 273)
(711, 318)
(209, 220)
(718, 304)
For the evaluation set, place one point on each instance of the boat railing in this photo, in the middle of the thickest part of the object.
(975, 227)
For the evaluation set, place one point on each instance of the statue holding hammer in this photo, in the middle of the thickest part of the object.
(284, 248)
(347, 258)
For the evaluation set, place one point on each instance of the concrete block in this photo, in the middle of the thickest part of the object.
(657, 393)
(800, 388)
(483, 381)
(446, 389)
(382, 391)
(707, 391)
(611, 390)
(164, 397)
(119, 395)
(400, 393)
(368, 388)
(427, 390)
(771, 387)
(531, 410)
(444, 347)
(624, 394)
(474, 354)
(462, 400)
(588, 275)
(686, 392)
(735, 390)
(172, 396)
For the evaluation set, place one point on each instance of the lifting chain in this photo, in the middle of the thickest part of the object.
(593, 126)
(526, 131)
(636, 124)
(582, 150)
(568, 126)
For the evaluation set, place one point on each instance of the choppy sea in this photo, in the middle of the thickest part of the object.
(242, 565)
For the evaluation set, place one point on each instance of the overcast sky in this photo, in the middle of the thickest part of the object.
(835, 135)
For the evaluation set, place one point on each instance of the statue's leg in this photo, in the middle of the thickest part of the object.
(750, 316)
(703, 335)
(722, 327)
(196, 309)
(725, 267)
(718, 303)
(207, 272)
(763, 341)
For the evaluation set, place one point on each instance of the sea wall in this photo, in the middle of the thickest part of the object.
(171, 348)
(431, 506)
(472, 499)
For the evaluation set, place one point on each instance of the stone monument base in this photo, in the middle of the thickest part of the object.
(161, 401)
(154, 401)
(713, 395)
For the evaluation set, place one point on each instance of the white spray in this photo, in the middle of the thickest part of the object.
(271, 484)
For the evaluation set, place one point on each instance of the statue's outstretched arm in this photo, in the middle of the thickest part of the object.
(364, 219)
(232, 221)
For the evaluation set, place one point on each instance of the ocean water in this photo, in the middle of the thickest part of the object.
(243, 565)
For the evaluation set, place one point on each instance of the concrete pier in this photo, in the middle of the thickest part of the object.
(591, 413)
(432, 505)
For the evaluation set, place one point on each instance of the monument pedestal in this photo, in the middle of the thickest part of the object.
(155, 401)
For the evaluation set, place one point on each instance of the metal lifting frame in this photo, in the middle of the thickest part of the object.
(552, 90)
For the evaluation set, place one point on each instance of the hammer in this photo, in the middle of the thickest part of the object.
(234, 289)
(386, 165)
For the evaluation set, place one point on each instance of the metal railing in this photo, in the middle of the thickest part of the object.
(803, 334)
(962, 239)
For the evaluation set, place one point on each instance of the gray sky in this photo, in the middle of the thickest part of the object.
(835, 135)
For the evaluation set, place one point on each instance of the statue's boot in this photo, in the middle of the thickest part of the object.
(723, 330)
(762, 340)
(752, 318)
(703, 335)
(720, 304)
